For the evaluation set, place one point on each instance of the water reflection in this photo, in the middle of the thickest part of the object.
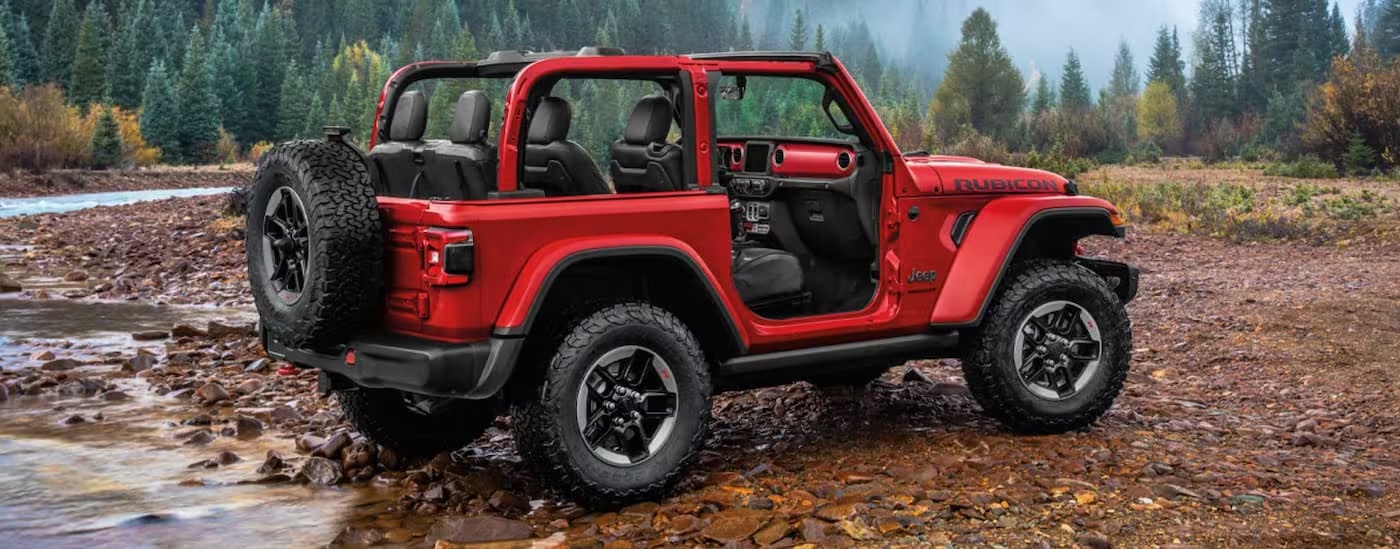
(122, 481)
(14, 207)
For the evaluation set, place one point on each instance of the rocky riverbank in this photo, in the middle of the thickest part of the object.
(59, 182)
(1260, 412)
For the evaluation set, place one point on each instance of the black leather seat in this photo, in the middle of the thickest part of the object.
(554, 164)
(642, 161)
(465, 166)
(763, 274)
(398, 162)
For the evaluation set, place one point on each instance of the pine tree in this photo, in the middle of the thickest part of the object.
(1044, 98)
(982, 90)
(1386, 37)
(294, 113)
(1124, 82)
(797, 39)
(160, 112)
(820, 44)
(58, 47)
(199, 104)
(273, 44)
(1074, 89)
(89, 62)
(7, 63)
(124, 60)
(106, 141)
(1212, 84)
(1337, 32)
(1166, 65)
(24, 56)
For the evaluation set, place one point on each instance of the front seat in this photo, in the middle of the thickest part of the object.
(398, 162)
(642, 161)
(554, 164)
(762, 275)
(465, 166)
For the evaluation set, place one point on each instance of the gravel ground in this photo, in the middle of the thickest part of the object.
(1260, 412)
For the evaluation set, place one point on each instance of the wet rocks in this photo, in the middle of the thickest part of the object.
(333, 446)
(247, 427)
(257, 366)
(74, 419)
(42, 356)
(150, 335)
(508, 503)
(248, 387)
(219, 330)
(9, 285)
(185, 330)
(115, 396)
(272, 464)
(478, 530)
(139, 363)
(199, 438)
(211, 393)
(76, 275)
(59, 365)
(320, 471)
(731, 529)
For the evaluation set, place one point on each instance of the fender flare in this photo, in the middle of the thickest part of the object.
(973, 278)
(544, 267)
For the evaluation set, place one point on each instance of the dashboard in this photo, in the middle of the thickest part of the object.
(759, 168)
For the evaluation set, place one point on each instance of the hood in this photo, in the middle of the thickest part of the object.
(963, 175)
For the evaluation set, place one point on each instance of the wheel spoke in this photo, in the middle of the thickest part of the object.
(634, 368)
(1084, 349)
(658, 404)
(597, 429)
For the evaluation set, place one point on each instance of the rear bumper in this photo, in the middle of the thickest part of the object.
(1121, 276)
(392, 361)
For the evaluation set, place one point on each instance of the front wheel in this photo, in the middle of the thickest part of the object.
(623, 408)
(1052, 354)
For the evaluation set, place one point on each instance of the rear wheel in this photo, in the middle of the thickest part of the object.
(415, 426)
(623, 408)
(1053, 353)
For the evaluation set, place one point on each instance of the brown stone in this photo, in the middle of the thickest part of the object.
(838, 511)
(813, 530)
(211, 393)
(185, 330)
(731, 529)
(59, 365)
(151, 335)
(683, 524)
(42, 356)
(775, 531)
(8, 285)
(478, 530)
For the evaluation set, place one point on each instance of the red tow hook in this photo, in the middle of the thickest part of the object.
(287, 370)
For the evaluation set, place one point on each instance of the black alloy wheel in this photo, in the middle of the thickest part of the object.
(285, 244)
(1058, 350)
(627, 405)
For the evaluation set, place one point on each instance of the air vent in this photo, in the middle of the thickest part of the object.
(738, 156)
(843, 160)
(778, 157)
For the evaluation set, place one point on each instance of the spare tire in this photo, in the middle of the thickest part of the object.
(314, 244)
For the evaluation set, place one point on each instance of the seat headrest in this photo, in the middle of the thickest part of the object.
(410, 117)
(650, 122)
(472, 120)
(551, 121)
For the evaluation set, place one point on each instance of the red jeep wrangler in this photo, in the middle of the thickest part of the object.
(751, 223)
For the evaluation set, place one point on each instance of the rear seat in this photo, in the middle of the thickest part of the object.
(464, 168)
(398, 161)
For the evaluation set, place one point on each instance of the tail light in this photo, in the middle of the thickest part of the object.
(449, 257)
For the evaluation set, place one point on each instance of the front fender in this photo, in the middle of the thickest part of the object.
(991, 243)
(526, 296)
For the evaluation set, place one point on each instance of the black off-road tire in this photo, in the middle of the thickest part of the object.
(340, 293)
(988, 361)
(546, 427)
(389, 418)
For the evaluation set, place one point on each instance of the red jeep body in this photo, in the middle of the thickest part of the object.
(945, 231)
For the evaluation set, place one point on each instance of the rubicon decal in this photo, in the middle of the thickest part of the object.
(1003, 185)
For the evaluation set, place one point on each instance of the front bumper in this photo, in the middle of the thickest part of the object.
(1121, 276)
(393, 361)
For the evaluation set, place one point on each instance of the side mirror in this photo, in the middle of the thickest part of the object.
(838, 116)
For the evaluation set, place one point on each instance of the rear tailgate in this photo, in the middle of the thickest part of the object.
(423, 296)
